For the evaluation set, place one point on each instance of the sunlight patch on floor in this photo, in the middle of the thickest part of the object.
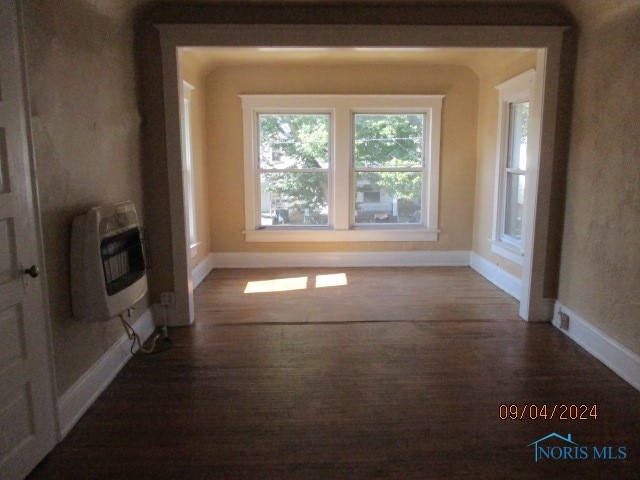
(332, 280)
(295, 283)
(276, 285)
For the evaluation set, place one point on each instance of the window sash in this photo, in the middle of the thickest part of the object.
(419, 162)
(509, 209)
(513, 207)
(511, 204)
(514, 151)
(307, 213)
(385, 215)
(297, 206)
(288, 136)
(391, 210)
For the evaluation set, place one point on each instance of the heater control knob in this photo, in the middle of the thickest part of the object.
(32, 271)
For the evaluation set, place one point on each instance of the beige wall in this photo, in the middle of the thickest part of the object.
(191, 73)
(487, 157)
(225, 144)
(85, 123)
(600, 266)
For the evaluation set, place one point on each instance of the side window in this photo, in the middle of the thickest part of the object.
(511, 168)
(514, 172)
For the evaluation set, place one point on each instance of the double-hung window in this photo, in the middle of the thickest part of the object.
(515, 98)
(341, 167)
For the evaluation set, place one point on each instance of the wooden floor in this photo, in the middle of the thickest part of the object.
(399, 374)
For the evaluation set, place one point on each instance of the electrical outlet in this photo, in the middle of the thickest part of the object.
(167, 299)
(564, 320)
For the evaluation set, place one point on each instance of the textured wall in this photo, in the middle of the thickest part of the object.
(600, 267)
(85, 133)
(458, 144)
(487, 157)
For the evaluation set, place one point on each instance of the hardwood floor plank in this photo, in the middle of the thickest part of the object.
(397, 375)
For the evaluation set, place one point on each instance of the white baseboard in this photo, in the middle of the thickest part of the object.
(342, 259)
(609, 351)
(75, 401)
(501, 279)
(200, 271)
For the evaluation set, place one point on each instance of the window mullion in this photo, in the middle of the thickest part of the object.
(342, 205)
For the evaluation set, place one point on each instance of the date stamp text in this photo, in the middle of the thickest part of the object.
(548, 412)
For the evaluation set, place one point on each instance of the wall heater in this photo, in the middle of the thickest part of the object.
(108, 265)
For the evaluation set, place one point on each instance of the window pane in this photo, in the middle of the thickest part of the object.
(518, 130)
(388, 197)
(293, 198)
(514, 205)
(388, 140)
(294, 141)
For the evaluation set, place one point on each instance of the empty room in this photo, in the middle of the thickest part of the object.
(302, 240)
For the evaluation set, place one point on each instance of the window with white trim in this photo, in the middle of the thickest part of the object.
(511, 169)
(341, 167)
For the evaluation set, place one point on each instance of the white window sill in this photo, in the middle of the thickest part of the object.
(510, 252)
(359, 235)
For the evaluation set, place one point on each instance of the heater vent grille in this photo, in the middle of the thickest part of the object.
(108, 264)
(122, 260)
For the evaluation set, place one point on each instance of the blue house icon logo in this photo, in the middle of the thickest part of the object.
(556, 447)
(568, 449)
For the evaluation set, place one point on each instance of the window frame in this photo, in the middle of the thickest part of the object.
(426, 139)
(341, 203)
(516, 90)
(261, 170)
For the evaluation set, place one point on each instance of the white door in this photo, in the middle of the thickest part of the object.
(27, 421)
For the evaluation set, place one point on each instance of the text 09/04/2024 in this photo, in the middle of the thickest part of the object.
(548, 412)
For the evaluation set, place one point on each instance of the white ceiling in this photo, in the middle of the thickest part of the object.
(480, 60)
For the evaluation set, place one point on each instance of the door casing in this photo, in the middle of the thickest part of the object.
(547, 40)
